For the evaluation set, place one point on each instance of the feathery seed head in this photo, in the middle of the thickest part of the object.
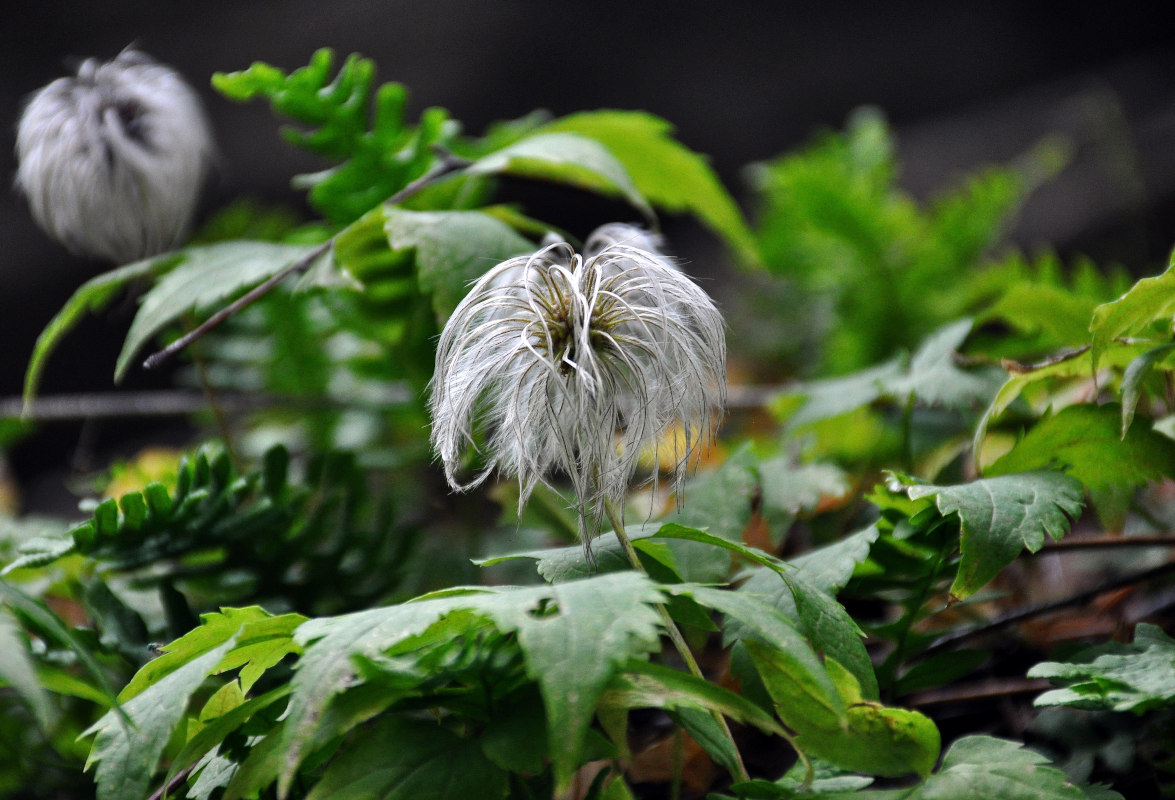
(112, 160)
(573, 363)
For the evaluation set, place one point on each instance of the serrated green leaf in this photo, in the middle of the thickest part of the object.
(214, 631)
(930, 378)
(1086, 441)
(1076, 364)
(1147, 307)
(829, 568)
(204, 276)
(597, 625)
(986, 768)
(225, 712)
(1001, 516)
(452, 248)
(404, 759)
(211, 773)
(666, 172)
(127, 756)
(564, 158)
(40, 551)
(91, 297)
(260, 645)
(795, 668)
(1136, 677)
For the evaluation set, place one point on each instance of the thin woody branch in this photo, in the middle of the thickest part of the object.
(448, 163)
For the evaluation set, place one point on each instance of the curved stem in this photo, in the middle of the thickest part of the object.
(674, 632)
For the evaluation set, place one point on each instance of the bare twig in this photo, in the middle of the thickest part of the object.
(977, 691)
(250, 297)
(173, 784)
(449, 163)
(1011, 365)
(1105, 542)
(953, 639)
(112, 405)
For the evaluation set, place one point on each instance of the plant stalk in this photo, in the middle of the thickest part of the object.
(674, 632)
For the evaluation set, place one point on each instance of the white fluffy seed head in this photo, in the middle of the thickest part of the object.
(112, 160)
(574, 364)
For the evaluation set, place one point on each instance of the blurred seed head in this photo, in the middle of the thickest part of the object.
(112, 160)
(572, 364)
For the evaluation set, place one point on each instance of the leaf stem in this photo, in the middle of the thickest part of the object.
(448, 163)
(673, 631)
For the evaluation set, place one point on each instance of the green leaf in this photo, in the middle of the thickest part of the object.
(930, 378)
(720, 501)
(90, 298)
(558, 564)
(795, 670)
(667, 173)
(1000, 516)
(18, 672)
(203, 277)
(404, 759)
(260, 645)
(215, 629)
(49, 624)
(1136, 677)
(644, 685)
(705, 730)
(564, 158)
(1147, 307)
(789, 489)
(127, 756)
(590, 628)
(40, 551)
(515, 738)
(875, 739)
(222, 717)
(453, 248)
(1086, 441)
(345, 118)
(986, 768)
(1074, 364)
(829, 568)
(1133, 378)
(823, 621)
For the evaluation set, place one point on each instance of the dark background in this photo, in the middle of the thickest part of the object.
(963, 84)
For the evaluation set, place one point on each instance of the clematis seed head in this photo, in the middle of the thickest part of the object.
(112, 160)
(572, 364)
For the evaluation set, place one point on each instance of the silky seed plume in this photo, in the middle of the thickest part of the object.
(112, 159)
(562, 363)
